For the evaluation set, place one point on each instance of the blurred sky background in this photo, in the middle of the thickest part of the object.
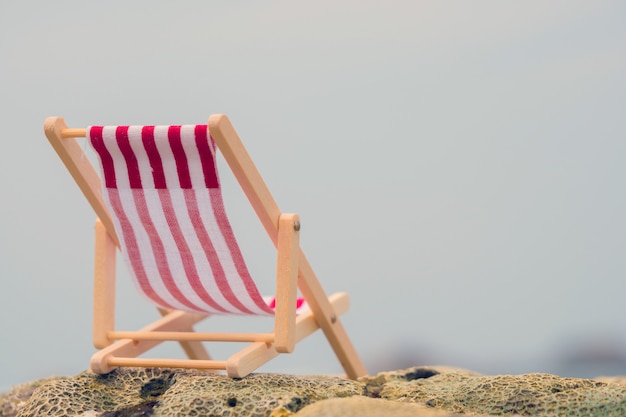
(458, 167)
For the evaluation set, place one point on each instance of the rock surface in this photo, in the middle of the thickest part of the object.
(419, 391)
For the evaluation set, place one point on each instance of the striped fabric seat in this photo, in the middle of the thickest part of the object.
(163, 191)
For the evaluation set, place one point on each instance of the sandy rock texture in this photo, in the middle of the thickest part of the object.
(529, 394)
(419, 391)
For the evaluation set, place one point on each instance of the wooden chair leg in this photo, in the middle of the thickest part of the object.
(254, 355)
(286, 282)
(267, 210)
(328, 320)
(104, 287)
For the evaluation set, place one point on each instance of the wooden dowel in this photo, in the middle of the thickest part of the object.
(199, 337)
(166, 363)
(73, 133)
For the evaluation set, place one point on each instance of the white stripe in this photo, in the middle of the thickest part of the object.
(110, 143)
(196, 174)
(172, 253)
(205, 199)
(143, 162)
(130, 209)
(123, 185)
(145, 247)
(167, 157)
(155, 212)
(146, 255)
(202, 265)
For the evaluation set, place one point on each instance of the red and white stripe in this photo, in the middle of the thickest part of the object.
(162, 188)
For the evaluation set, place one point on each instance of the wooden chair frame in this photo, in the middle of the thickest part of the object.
(121, 348)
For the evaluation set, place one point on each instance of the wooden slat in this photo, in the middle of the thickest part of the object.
(167, 363)
(192, 336)
(329, 321)
(245, 171)
(104, 287)
(81, 170)
(73, 133)
(288, 246)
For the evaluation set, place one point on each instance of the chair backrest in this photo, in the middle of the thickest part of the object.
(162, 189)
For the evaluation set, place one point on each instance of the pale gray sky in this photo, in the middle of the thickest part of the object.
(458, 166)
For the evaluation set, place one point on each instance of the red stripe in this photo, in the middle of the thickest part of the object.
(108, 168)
(299, 303)
(210, 253)
(134, 177)
(183, 250)
(207, 156)
(159, 251)
(132, 249)
(158, 175)
(235, 253)
(173, 134)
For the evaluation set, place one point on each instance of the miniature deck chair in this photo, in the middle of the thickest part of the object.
(159, 201)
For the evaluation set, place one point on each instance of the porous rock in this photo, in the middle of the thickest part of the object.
(420, 391)
(165, 392)
(255, 395)
(13, 400)
(529, 394)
